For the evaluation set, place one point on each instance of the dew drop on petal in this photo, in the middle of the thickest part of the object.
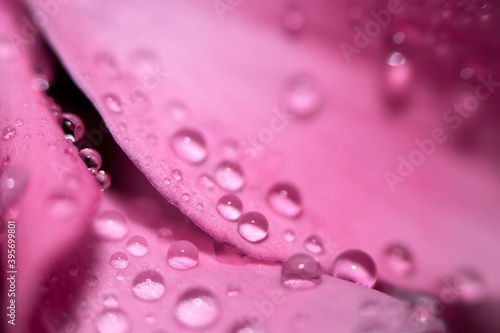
(301, 271)
(197, 308)
(289, 235)
(233, 290)
(13, 182)
(103, 179)
(355, 266)
(164, 233)
(72, 126)
(178, 111)
(230, 207)
(314, 244)
(253, 227)
(207, 185)
(119, 260)
(399, 37)
(40, 83)
(229, 176)
(185, 197)
(91, 158)
(285, 199)
(112, 321)
(110, 225)
(189, 145)
(396, 59)
(177, 174)
(8, 132)
(137, 246)
(110, 301)
(399, 259)
(148, 286)
(113, 103)
(246, 326)
(302, 96)
(182, 255)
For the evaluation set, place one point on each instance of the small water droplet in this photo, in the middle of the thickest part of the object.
(112, 321)
(253, 227)
(137, 246)
(399, 259)
(165, 233)
(182, 255)
(369, 308)
(301, 271)
(110, 301)
(208, 185)
(230, 207)
(103, 179)
(399, 37)
(314, 244)
(200, 207)
(13, 182)
(177, 174)
(302, 96)
(113, 103)
(72, 126)
(185, 197)
(40, 83)
(19, 122)
(289, 235)
(229, 176)
(285, 199)
(197, 308)
(119, 260)
(92, 281)
(110, 225)
(148, 286)
(355, 266)
(246, 326)
(91, 158)
(72, 270)
(233, 290)
(167, 181)
(8, 132)
(178, 111)
(396, 59)
(189, 145)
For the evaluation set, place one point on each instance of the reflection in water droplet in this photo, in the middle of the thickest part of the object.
(91, 158)
(103, 179)
(110, 225)
(289, 235)
(229, 176)
(182, 255)
(119, 260)
(301, 271)
(314, 244)
(113, 103)
(112, 321)
(399, 259)
(189, 145)
(8, 132)
(302, 96)
(230, 207)
(253, 227)
(285, 199)
(197, 308)
(148, 286)
(137, 246)
(355, 266)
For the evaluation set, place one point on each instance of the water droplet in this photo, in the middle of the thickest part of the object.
(72, 270)
(137, 246)
(40, 83)
(91, 158)
(148, 286)
(233, 290)
(253, 227)
(112, 321)
(301, 271)
(314, 244)
(92, 281)
(103, 179)
(208, 185)
(285, 199)
(13, 182)
(164, 233)
(200, 207)
(110, 225)
(246, 326)
(119, 260)
(185, 197)
(369, 308)
(230, 207)
(302, 97)
(189, 145)
(355, 266)
(178, 111)
(197, 308)
(72, 126)
(110, 301)
(229, 176)
(467, 286)
(177, 174)
(113, 103)
(399, 37)
(399, 259)
(289, 235)
(182, 255)
(19, 122)
(8, 132)
(396, 59)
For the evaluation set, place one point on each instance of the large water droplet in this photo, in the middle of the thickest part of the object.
(301, 271)
(182, 255)
(8, 132)
(119, 260)
(113, 103)
(229, 176)
(197, 308)
(137, 246)
(355, 266)
(110, 225)
(314, 244)
(91, 158)
(285, 199)
(148, 286)
(189, 145)
(399, 259)
(253, 227)
(72, 126)
(230, 207)
(112, 321)
(302, 96)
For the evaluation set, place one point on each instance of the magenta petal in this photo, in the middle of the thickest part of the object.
(157, 69)
(45, 188)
